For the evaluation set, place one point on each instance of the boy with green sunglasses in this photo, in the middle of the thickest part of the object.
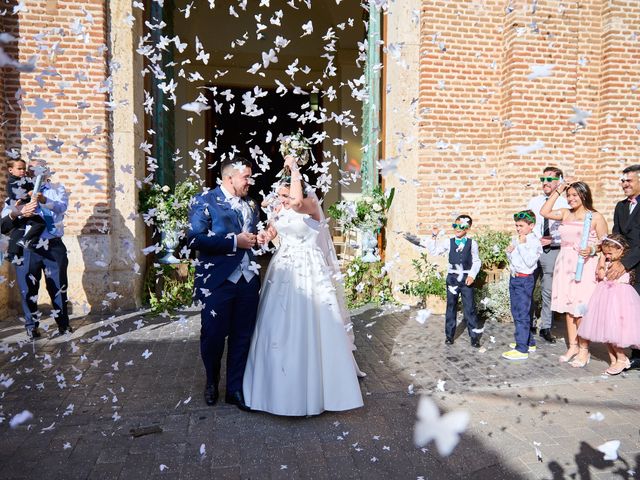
(464, 266)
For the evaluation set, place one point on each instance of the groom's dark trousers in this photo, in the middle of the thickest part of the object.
(229, 312)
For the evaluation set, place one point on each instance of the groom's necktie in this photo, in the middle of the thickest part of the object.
(239, 213)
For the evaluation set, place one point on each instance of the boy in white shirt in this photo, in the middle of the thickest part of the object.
(523, 254)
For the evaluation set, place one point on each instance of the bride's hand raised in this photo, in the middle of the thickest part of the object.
(290, 163)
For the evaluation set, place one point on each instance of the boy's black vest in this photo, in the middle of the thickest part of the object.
(460, 257)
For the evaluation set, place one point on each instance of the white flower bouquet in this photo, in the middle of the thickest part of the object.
(297, 146)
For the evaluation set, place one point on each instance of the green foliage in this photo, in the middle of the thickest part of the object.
(429, 281)
(367, 213)
(492, 245)
(166, 291)
(168, 211)
(366, 283)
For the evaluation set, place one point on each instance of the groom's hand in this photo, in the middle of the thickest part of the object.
(246, 240)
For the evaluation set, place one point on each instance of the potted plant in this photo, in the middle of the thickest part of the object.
(492, 245)
(430, 286)
(169, 283)
(366, 279)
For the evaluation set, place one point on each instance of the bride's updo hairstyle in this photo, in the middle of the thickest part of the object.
(286, 182)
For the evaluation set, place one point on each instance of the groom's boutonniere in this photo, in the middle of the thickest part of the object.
(252, 204)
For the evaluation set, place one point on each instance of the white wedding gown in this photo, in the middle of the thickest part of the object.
(301, 360)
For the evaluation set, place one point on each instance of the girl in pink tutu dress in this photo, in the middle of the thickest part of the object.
(612, 314)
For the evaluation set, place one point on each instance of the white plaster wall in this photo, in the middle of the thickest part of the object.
(401, 136)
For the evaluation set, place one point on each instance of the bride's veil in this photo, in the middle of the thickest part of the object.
(325, 242)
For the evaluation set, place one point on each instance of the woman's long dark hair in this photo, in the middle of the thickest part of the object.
(584, 192)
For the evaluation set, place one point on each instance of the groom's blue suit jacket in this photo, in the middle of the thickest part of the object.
(211, 221)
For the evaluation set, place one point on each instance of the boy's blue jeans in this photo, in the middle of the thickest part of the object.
(520, 295)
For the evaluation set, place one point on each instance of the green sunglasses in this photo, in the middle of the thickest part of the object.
(548, 179)
(523, 215)
(459, 226)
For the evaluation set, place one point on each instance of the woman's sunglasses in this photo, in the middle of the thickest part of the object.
(548, 179)
(459, 226)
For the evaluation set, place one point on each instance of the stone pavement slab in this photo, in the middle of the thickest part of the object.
(87, 390)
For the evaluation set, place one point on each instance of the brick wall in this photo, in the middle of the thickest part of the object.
(68, 37)
(478, 104)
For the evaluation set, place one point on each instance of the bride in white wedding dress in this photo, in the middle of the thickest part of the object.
(301, 361)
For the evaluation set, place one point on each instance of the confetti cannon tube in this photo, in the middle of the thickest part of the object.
(583, 244)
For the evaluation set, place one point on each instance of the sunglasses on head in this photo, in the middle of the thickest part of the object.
(459, 226)
(548, 179)
(523, 215)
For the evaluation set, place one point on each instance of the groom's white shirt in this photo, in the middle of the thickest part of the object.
(243, 267)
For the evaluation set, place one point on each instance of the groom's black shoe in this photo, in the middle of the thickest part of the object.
(237, 399)
(211, 394)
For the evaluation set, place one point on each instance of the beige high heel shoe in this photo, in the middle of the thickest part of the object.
(568, 358)
(581, 364)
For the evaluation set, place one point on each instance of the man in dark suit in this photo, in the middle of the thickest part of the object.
(223, 224)
(626, 222)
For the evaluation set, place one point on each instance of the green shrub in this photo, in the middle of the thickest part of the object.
(366, 283)
(175, 293)
(492, 245)
(429, 281)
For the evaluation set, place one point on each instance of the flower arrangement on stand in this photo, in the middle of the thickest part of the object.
(368, 213)
(170, 282)
(168, 212)
(366, 277)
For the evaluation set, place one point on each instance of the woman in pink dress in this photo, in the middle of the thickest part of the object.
(569, 296)
(612, 315)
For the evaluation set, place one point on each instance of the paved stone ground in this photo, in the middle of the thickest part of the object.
(86, 391)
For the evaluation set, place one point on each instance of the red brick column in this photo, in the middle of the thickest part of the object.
(70, 74)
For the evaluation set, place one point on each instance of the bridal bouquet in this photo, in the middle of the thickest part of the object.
(297, 146)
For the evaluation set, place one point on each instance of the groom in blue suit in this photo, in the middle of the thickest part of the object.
(223, 230)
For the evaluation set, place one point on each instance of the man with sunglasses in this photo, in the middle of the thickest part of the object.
(626, 222)
(547, 231)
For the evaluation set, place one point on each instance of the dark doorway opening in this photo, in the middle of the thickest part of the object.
(232, 132)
